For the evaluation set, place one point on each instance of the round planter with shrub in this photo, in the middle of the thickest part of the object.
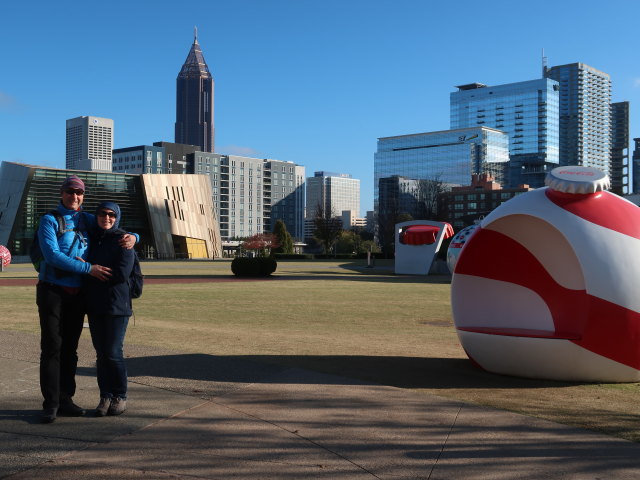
(253, 266)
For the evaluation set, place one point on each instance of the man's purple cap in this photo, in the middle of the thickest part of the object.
(72, 182)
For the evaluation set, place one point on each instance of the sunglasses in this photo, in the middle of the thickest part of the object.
(102, 213)
(73, 191)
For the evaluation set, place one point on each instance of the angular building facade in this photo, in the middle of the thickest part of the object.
(173, 214)
(585, 115)
(194, 102)
(526, 111)
(89, 144)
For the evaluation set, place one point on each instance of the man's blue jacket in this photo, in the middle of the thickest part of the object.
(60, 265)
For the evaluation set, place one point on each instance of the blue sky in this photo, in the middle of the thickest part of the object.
(315, 83)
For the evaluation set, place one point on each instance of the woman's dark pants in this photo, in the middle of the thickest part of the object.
(107, 335)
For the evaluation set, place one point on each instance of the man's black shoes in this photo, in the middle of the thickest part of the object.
(67, 408)
(70, 409)
(49, 415)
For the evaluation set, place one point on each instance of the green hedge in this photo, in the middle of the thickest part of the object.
(253, 267)
(293, 256)
(336, 256)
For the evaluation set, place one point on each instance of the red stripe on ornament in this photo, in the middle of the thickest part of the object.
(602, 327)
(602, 208)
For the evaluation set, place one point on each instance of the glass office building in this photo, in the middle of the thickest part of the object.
(526, 111)
(173, 214)
(585, 115)
(28, 192)
(449, 156)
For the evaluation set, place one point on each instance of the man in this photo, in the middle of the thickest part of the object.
(60, 306)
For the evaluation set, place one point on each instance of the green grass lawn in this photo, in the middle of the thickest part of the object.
(342, 318)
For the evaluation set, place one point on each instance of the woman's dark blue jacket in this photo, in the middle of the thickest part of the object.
(111, 297)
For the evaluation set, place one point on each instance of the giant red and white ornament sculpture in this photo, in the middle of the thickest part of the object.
(5, 256)
(548, 286)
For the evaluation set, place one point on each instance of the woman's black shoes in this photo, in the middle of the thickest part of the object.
(103, 406)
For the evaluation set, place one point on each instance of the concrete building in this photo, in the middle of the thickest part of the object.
(527, 111)
(619, 173)
(89, 144)
(463, 205)
(585, 115)
(351, 220)
(140, 159)
(173, 214)
(194, 101)
(334, 192)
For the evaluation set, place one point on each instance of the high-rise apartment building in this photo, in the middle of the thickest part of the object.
(636, 165)
(585, 115)
(619, 148)
(89, 144)
(194, 102)
(287, 200)
(251, 194)
(526, 111)
(334, 192)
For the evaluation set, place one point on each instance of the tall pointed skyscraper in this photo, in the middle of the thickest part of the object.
(194, 101)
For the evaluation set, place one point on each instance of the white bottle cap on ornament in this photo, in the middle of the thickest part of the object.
(575, 179)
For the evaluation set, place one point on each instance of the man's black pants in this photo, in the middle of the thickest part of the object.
(61, 320)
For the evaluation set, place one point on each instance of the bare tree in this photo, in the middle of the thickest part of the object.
(327, 227)
(428, 196)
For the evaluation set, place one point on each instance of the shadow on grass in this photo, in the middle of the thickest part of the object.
(402, 372)
(307, 275)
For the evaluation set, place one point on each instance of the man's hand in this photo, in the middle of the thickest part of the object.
(127, 241)
(101, 273)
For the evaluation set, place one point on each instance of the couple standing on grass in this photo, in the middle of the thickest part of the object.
(85, 268)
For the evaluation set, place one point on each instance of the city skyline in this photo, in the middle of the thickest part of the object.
(312, 84)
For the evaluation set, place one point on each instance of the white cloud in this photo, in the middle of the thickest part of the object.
(636, 82)
(237, 150)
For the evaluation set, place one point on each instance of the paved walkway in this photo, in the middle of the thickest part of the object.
(197, 416)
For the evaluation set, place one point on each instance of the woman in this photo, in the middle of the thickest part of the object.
(109, 308)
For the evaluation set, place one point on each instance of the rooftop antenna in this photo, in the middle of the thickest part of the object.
(195, 34)
(544, 64)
